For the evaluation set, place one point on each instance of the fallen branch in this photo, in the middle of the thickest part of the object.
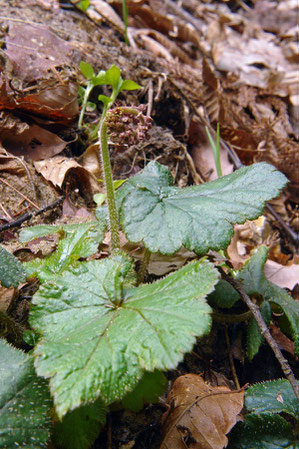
(28, 215)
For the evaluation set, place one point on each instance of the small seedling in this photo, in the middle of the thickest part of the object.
(125, 19)
(111, 77)
(216, 149)
(100, 198)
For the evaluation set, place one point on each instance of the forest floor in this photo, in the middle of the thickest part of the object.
(199, 63)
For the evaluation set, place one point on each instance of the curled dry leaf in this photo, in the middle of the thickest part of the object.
(199, 415)
(284, 276)
(35, 54)
(31, 141)
(57, 103)
(56, 169)
(34, 50)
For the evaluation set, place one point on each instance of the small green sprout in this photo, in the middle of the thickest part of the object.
(84, 5)
(216, 149)
(125, 19)
(111, 77)
(100, 198)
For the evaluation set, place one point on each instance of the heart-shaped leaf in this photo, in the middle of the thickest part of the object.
(24, 401)
(99, 334)
(200, 218)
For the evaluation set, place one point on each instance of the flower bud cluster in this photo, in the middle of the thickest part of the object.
(127, 125)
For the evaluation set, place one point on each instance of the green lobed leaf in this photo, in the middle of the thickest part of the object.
(200, 218)
(11, 269)
(273, 396)
(24, 401)
(255, 283)
(99, 335)
(147, 391)
(254, 334)
(82, 241)
(224, 295)
(129, 85)
(80, 428)
(86, 70)
(262, 432)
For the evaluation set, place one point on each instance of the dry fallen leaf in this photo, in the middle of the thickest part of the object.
(56, 169)
(284, 276)
(284, 343)
(7, 296)
(34, 143)
(199, 415)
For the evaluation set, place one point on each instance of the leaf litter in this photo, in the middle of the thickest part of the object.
(199, 415)
(203, 63)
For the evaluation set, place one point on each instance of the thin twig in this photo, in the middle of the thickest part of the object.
(20, 193)
(231, 360)
(5, 211)
(255, 310)
(150, 96)
(294, 235)
(24, 164)
(28, 215)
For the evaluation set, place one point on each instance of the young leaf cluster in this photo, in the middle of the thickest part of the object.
(111, 77)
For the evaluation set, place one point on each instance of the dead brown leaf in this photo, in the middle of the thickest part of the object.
(31, 141)
(58, 103)
(282, 340)
(7, 296)
(284, 276)
(199, 415)
(57, 168)
(34, 50)
(90, 160)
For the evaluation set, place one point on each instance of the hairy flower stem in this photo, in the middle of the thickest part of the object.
(108, 181)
